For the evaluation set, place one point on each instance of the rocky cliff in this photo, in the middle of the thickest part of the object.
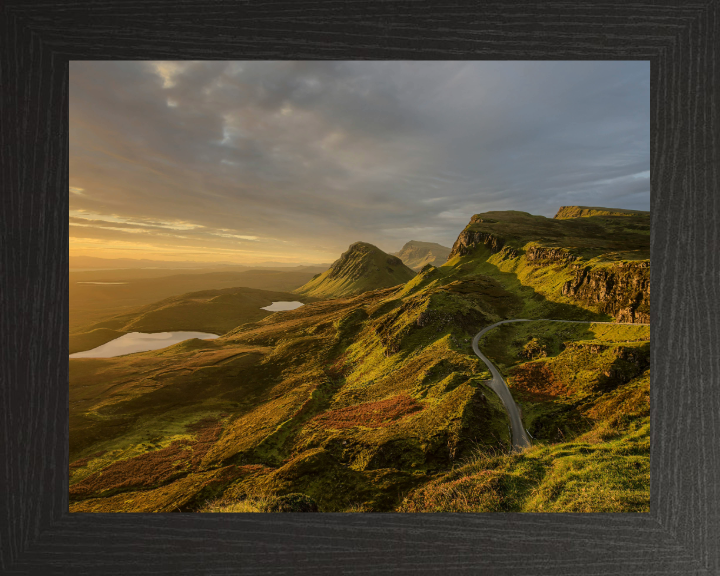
(596, 259)
(542, 254)
(470, 239)
(622, 290)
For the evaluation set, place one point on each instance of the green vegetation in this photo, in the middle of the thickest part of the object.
(375, 401)
(311, 397)
(597, 263)
(584, 237)
(263, 503)
(361, 268)
(583, 211)
(586, 403)
(582, 367)
(593, 475)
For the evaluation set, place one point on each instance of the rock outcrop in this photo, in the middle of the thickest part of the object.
(541, 254)
(599, 257)
(622, 290)
(470, 239)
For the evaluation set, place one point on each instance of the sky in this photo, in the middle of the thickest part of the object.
(263, 161)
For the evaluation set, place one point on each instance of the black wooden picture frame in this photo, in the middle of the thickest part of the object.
(681, 534)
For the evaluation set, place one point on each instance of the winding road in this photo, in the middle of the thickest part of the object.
(520, 438)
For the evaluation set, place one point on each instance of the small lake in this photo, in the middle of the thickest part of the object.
(140, 342)
(279, 306)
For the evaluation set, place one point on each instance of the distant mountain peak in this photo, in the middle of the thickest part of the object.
(416, 254)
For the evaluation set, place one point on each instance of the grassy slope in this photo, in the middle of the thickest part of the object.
(534, 257)
(361, 268)
(588, 409)
(371, 402)
(583, 211)
(308, 400)
(586, 237)
(607, 474)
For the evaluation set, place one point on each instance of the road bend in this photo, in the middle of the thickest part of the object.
(520, 439)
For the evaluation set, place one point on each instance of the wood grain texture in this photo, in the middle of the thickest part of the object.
(681, 535)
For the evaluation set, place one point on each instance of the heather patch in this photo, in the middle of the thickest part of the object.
(368, 415)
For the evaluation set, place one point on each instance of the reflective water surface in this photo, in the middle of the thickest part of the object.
(140, 342)
(278, 306)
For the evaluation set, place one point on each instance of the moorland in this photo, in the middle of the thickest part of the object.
(369, 397)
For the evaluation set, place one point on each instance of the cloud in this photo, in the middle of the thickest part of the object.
(320, 154)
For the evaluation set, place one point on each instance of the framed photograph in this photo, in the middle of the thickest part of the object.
(342, 299)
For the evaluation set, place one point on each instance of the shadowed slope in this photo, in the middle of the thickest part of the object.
(598, 263)
(361, 268)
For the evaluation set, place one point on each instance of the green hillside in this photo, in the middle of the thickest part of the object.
(584, 391)
(376, 401)
(600, 264)
(361, 268)
(583, 211)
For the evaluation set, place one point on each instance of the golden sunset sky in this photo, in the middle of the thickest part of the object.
(253, 162)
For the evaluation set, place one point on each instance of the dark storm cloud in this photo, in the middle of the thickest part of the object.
(310, 156)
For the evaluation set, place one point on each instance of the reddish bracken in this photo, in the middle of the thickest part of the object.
(538, 380)
(248, 469)
(208, 432)
(153, 468)
(370, 415)
(339, 368)
(83, 461)
(145, 470)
